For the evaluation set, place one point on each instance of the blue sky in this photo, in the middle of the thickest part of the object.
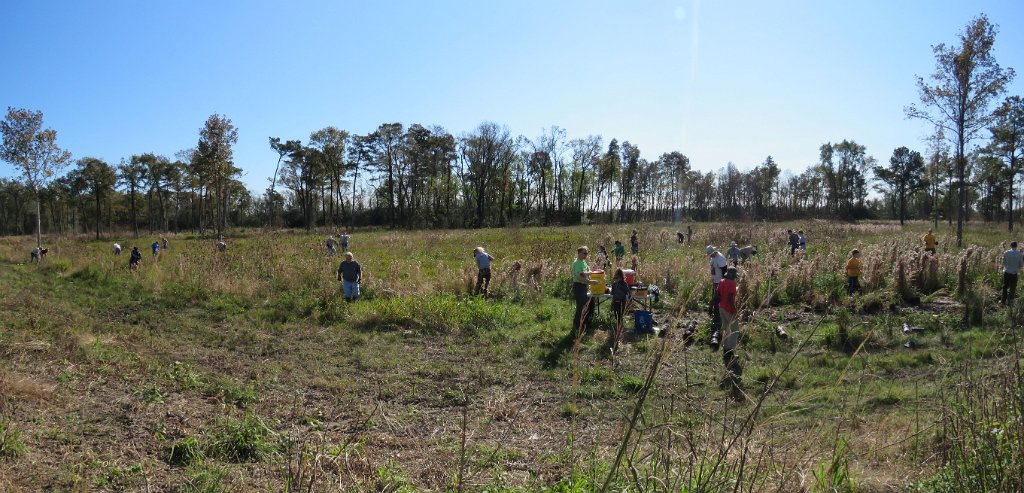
(720, 81)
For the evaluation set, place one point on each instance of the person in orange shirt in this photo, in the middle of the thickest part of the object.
(853, 271)
(929, 242)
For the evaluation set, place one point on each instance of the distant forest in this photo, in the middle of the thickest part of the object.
(419, 177)
(426, 177)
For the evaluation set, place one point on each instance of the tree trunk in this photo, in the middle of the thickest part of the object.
(39, 222)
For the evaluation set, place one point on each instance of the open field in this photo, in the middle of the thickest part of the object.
(245, 370)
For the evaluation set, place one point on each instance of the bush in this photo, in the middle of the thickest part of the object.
(11, 445)
(245, 440)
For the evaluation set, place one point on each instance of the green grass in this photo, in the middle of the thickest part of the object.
(223, 356)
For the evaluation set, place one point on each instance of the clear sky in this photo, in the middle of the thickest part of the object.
(718, 80)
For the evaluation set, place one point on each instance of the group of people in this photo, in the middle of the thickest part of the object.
(797, 241)
(332, 244)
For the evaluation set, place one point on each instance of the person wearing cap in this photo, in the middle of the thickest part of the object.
(580, 288)
(730, 327)
(718, 267)
(734, 253)
(929, 242)
(483, 275)
(350, 273)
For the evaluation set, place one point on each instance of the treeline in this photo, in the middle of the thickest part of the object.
(422, 177)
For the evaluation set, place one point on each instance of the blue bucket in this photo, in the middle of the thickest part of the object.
(643, 321)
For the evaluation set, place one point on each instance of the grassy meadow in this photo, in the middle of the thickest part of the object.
(246, 370)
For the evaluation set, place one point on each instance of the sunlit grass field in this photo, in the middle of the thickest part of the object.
(246, 370)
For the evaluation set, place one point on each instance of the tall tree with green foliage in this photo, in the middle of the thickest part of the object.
(33, 151)
(903, 176)
(215, 155)
(99, 178)
(1008, 144)
(966, 79)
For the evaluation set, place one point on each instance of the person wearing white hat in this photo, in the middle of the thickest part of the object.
(718, 267)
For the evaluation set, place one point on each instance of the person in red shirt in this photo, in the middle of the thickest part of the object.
(730, 328)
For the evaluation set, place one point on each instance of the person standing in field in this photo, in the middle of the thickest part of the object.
(718, 267)
(853, 272)
(483, 275)
(1013, 260)
(331, 246)
(929, 242)
(730, 327)
(794, 242)
(135, 258)
(156, 248)
(734, 253)
(117, 249)
(344, 241)
(580, 288)
(634, 243)
(619, 250)
(163, 240)
(803, 240)
(689, 233)
(602, 258)
(620, 296)
(350, 273)
(680, 237)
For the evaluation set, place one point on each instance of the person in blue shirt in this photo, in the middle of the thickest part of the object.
(156, 248)
(483, 276)
(350, 273)
(734, 253)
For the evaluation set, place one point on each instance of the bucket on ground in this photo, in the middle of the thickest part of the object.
(643, 321)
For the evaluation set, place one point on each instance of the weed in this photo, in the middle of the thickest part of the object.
(11, 446)
(244, 440)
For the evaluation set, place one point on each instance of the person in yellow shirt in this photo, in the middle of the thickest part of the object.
(929, 242)
(853, 271)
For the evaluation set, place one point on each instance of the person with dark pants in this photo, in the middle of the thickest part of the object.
(620, 296)
(1013, 260)
(634, 243)
(853, 272)
(580, 288)
(483, 276)
(718, 268)
(794, 241)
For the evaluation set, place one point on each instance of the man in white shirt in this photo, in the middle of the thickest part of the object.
(1013, 260)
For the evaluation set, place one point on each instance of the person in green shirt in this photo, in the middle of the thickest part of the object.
(580, 287)
(619, 251)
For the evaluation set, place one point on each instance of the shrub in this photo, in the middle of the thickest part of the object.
(11, 445)
(245, 440)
